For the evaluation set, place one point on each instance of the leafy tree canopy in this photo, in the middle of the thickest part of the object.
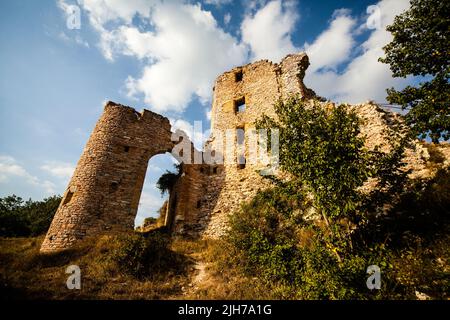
(421, 47)
(167, 180)
(19, 218)
(320, 145)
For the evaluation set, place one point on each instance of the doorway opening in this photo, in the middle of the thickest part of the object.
(153, 203)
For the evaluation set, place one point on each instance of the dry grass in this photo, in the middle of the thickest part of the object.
(222, 279)
(26, 274)
(211, 272)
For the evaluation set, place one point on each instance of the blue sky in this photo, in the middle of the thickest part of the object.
(164, 56)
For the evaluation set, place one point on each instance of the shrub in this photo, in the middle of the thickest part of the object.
(168, 179)
(268, 240)
(29, 218)
(264, 233)
(321, 149)
(146, 255)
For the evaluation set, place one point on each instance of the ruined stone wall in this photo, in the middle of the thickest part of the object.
(103, 193)
(194, 197)
(262, 84)
(259, 85)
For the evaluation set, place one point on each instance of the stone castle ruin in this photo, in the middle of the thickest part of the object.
(104, 191)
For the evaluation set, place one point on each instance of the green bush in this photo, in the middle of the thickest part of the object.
(327, 258)
(269, 240)
(263, 231)
(168, 179)
(20, 218)
(146, 255)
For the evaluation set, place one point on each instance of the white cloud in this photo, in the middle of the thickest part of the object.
(194, 132)
(253, 5)
(218, 2)
(11, 169)
(8, 167)
(48, 186)
(103, 11)
(183, 53)
(334, 45)
(208, 113)
(364, 78)
(183, 49)
(268, 31)
(154, 168)
(59, 169)
(227, 18)
(77, 39)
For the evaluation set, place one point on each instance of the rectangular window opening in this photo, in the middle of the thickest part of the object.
(239, 105)
(238, 76)
(240, 136)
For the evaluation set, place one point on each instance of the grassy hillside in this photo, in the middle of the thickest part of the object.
(195, 269)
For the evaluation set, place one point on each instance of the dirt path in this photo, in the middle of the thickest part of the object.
(199, 275)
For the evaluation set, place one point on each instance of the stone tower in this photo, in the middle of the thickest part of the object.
(241, 96)
(206, 195)
(104, 191)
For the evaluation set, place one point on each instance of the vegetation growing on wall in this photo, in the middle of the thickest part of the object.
(168, 179)
(327, 258)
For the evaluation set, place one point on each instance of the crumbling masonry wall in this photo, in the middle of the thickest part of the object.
(104, 191)
(259, 86)
(224, 187)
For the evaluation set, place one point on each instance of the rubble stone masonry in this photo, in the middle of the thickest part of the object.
(104, 192)
(258, 86)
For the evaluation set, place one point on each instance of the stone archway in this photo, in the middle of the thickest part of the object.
(154, 203)
(104, 191)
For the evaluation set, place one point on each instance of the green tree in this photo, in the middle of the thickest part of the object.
(421, 47)
(40, 214)
(13, 222)
(21, 219)
(321, 148)
(168, 179)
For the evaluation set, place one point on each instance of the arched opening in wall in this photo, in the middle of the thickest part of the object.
(152, 203)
